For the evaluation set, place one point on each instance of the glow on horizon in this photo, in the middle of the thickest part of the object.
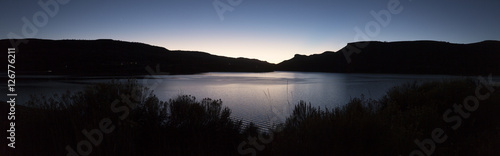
(273, 49)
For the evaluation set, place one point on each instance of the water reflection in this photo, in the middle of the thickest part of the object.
(256, 97)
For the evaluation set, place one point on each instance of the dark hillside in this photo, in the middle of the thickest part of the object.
(111, 57)
(408, 57)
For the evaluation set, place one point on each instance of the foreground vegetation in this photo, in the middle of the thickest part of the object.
(140, 124)
(391, 125)
(143, 125)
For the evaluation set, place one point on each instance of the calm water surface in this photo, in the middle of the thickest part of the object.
(255, 97)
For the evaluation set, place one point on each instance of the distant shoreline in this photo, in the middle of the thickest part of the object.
(119, 58)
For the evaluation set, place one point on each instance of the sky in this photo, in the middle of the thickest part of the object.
(268, 30)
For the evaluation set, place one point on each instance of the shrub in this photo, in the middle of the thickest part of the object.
(390, 125)
(181, 126)
(187, 126)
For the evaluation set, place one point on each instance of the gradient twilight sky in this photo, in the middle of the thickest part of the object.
(269, 30)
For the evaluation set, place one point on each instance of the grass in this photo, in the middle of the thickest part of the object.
(187, 126)
(390, 125)
(180, 126)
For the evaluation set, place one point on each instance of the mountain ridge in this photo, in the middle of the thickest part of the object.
(114, 57)
(403, 57)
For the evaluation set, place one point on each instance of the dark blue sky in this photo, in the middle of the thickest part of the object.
(269, 30)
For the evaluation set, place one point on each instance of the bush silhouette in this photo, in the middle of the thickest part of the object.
(187, 126)
(181, 126)
(390, 125)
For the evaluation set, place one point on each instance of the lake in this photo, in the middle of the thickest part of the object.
(255, 97)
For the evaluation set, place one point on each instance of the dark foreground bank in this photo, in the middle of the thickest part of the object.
(450, 117)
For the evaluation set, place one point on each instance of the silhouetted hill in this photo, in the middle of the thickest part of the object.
(111, 57)
(408, 57)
